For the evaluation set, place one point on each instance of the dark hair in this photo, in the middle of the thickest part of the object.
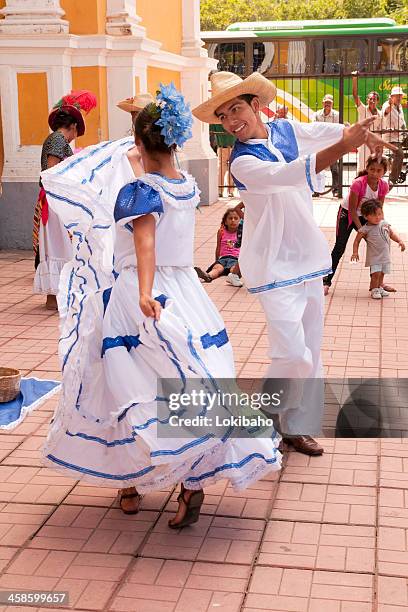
(63, 120)
(369, 207)
(374, 160)
(149, 133)
(225, 216)
(247, 97)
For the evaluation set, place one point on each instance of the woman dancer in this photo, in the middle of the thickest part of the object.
(51, 241)
(122, 337)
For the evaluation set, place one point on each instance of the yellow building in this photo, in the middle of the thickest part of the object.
(115, 48)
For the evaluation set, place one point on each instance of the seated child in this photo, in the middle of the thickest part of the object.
(229, 238)
(377, 233)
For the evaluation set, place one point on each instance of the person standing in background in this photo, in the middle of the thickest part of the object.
(135, 104)
(51, 241)
(224, 143)
(366, 110)
(393, 124)
(328, 114)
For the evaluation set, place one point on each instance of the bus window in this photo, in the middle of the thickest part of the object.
(392, 54)
(279, 57)
(329, 54)
(230, 56)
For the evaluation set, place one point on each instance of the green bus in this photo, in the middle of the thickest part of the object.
(307, 59)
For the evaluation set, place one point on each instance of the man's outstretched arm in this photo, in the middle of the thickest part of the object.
(268, 177)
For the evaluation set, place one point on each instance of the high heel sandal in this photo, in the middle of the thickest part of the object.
(193, 507)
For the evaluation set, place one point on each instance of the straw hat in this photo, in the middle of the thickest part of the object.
(132, 105)
(226, 86)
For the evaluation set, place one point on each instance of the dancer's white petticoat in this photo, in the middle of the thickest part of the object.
(105, 427)
(55, 250)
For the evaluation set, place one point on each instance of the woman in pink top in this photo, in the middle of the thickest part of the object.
(228, 246)
(368, 185)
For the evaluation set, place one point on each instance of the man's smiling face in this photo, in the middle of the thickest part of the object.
(239, 118)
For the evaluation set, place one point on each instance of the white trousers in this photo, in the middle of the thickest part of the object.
(295, 317)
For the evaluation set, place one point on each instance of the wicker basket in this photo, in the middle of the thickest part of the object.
(9, 384)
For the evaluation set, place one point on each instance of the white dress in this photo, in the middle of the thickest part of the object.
(105, 429)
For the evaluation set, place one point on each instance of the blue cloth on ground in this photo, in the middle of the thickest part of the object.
(33, 392)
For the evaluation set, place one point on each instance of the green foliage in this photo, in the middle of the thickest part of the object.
(400, 12)
(218, 14)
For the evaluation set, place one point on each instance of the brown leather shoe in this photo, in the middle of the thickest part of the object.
(305, 445)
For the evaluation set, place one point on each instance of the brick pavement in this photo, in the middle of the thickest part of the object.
(328, 534)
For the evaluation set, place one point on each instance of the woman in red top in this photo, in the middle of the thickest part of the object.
(227, 249)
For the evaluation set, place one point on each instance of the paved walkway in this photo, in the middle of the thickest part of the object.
(328, 534)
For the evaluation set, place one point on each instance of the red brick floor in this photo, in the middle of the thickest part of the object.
(328, 534)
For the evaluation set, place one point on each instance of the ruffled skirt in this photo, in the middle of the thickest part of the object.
(106, 429)
(55, 250)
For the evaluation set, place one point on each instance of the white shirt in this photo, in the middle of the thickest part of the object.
(332, 117)
(363, 151)
(370, 194)
(282, 244)
(364, 112)
(392, 122)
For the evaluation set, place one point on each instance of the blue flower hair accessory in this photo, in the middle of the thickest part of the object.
(175, 116)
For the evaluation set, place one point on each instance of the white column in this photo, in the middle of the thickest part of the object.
(121, 85)
(126, 60)
(21, 162)
(59, 82)
(194, 85)
(192, 43)
(199, 156)
(33, 17)
(122, 19)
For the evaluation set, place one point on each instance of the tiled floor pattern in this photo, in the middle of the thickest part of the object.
(328, 534)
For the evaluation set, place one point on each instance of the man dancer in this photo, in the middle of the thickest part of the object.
(284, 254)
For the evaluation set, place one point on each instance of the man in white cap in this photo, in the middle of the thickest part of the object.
(327, 114)
(284, 254)
(393, 122)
